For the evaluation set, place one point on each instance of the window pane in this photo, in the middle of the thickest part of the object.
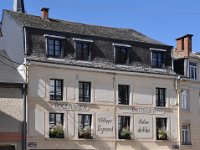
(84, 91)
(123, 94)
(121, 55)
(157, 59)
(54, 48)
(56, 89)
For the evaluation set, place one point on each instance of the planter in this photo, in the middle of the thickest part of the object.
(85, 133)
(125, 134)
(162, 135)
(56, 132)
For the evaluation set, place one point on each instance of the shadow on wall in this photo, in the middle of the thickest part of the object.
(137, 145)
(10, 132)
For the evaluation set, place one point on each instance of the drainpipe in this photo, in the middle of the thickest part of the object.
(25, 116)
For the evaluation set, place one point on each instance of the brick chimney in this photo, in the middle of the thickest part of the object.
(45, 13)
(184, 45)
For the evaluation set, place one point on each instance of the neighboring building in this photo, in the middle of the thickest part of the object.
(93, 87)
(187, 65)
(11, 105)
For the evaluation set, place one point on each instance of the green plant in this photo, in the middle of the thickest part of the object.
(162, 134)
(85, 133)
(56, 132)
(125, 133)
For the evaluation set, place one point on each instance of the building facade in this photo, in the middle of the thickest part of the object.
(93, 87)
(186, 64)
(11, 105)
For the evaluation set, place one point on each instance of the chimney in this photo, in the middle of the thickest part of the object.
(18, 6)
(184, 45)
(45, 13)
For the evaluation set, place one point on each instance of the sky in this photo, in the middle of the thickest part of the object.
(163, 20)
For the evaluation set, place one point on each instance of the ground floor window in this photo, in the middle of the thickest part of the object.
(84, 125)
(56, 125)
(161, 128)
(186, 134)
(7, 147)
(124, 127)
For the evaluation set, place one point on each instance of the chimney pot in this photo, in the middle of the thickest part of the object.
(184, 44)
(45, 13)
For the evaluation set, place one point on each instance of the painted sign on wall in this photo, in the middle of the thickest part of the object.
(68, 106)
(105, 124)
(143, 126)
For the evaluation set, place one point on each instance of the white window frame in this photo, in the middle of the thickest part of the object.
(93, 129)
(184, 142)
(185, 101)
(65, 118)
(192, 68)
(131, 125)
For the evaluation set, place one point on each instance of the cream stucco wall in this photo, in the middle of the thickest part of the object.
(191, 117)
(11, 116)
(103, 100)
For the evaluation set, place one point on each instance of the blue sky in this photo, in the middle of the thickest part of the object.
(163, 20)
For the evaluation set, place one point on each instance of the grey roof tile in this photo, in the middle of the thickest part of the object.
(8, 70)
(80, 28)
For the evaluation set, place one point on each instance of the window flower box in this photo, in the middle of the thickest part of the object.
(56, 132)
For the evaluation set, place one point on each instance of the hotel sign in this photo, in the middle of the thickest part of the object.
(141, 110)
(105, 125)
(143, 126)
(68, 106)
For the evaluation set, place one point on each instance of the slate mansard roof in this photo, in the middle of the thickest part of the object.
(80, 28)
(8, 70)
(120, 34)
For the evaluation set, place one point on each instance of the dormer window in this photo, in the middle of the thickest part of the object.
(121, 53)
(54, 47)
(82, 49)
(158, 58)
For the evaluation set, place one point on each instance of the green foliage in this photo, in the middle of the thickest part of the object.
(125, 133)
(162, 134)
(56, 132)
(85, 133)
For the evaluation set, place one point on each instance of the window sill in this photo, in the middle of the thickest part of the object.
(56, 59)
(162, 107)
(124, 105)
(84, 61)
(161, 141)
(55, 139)
(185, 111)
(187, 144)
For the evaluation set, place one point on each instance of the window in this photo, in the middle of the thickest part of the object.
(185, 105)
(56, 125)
(161, 127)
(121, 55)
(157, 59)
(82, 50)
(160, 97)
(84, 91)
(123, 94)
(192, 70)
(124, 127)
(56, 89)
(84, 125)
(186, 135)
(54, 47)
